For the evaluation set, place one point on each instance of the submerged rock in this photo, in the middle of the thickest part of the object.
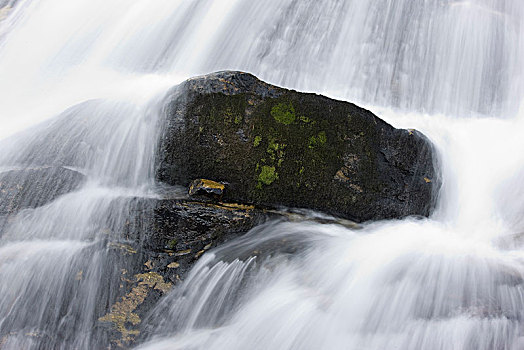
(278, 147)
(162, 239)
(161, 242)
(32, 188)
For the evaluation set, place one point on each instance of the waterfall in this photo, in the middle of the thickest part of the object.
(81, 95)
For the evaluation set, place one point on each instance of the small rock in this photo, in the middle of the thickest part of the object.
(206, 188)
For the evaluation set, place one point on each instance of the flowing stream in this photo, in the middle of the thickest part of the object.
(81, 90)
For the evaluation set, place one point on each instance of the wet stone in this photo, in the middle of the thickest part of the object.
(277, 147)
(32, 188)
(203, 188)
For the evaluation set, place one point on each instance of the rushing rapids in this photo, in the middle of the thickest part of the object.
(81, 89)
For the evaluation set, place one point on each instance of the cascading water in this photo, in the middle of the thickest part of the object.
(100, 68)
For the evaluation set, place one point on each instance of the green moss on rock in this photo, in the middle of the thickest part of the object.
(284, 113)
(171, 245)
(268, 175)
(304, 119)
(318, 140)
(326, 154)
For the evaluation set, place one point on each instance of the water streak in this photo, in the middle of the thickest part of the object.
(81, 95)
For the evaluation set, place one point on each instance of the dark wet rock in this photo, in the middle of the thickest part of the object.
(181, 230)
(147, 246)
(278, 147)
(202, 188)
(161, 241)
(34, 187)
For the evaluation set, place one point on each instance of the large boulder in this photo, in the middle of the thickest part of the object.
(277, 147)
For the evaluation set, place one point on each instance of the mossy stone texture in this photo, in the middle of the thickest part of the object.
(277, 147)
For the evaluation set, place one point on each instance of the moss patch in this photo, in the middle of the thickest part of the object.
(275, 150)
(305, 119)
(299, 144)
(256, 143)
(318, 140)
(284, 113)
(171, 245)
(268, 175)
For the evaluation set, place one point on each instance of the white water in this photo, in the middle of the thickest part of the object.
(452, 69)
